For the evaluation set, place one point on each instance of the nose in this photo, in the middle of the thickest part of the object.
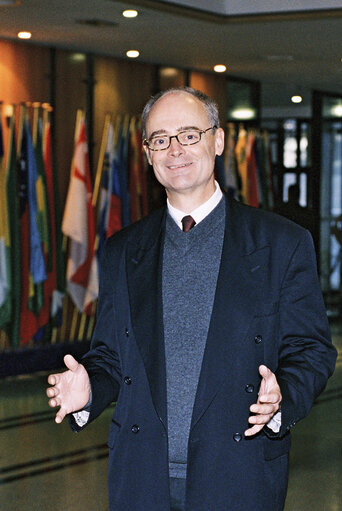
(175, 148)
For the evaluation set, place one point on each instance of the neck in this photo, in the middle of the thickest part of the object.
(188, 202)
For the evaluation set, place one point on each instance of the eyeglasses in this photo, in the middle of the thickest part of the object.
(187, 137)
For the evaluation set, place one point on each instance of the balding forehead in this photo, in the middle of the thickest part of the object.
(189, 97)
(194, 103)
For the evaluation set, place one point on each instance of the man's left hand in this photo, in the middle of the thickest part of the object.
(268, 403)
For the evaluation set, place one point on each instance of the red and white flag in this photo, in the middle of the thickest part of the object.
(79, 225)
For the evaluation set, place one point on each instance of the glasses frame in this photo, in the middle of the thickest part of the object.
(201, 132)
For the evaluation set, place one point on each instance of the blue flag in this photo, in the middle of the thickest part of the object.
(37, 263)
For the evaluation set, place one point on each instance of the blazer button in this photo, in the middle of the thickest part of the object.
(127, 380)
(126, 332)
(237, 437)
(258, 339)
(135, 428)
(249, 388)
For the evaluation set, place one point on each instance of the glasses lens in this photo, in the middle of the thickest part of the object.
(160, 142)
(189, 137)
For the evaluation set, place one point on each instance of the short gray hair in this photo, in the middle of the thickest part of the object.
(209, 105)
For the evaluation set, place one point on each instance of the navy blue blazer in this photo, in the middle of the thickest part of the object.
(268, 309)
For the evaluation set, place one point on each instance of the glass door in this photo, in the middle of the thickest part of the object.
(330, 234)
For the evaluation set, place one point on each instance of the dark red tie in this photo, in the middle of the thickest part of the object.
(188, 222)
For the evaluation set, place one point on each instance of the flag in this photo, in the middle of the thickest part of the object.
(114, 218)
(79, 225)
(241, 157)
(137, 173)
(142, 169)
(110, 202)
(13, 328)
(40, 299)
(37, 263)
(5, 251)
(121, 163)
(231, 180)
(57, 274)
(30, 245)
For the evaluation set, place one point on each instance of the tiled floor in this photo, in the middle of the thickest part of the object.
(45, 467)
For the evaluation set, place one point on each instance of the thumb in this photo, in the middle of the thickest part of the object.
(71, 363)
(264, 371)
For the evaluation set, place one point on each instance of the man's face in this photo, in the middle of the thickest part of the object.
(183, 169)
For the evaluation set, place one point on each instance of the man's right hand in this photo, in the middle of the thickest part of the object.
(70, 390)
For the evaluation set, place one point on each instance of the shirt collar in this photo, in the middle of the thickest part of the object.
(199, 213)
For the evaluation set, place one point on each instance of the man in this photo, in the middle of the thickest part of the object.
(201, 335)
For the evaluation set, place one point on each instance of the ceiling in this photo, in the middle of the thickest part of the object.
(288, 45)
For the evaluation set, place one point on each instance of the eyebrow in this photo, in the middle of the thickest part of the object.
(181, 128)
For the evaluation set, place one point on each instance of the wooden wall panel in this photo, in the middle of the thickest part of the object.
(214, 86)
(71, 94)
(24, 74)
(122, 87)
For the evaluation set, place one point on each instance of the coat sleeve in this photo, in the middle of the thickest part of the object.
(102, 361)
(306, 354)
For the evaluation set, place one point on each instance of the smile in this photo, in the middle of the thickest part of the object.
(180, 166)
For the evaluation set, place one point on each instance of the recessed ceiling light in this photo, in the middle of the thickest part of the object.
(132, 54)
(24, 35)
(243, 114)
(130, 13)
(169, 72)
(296, 98)
(78, 57)
(220, 68)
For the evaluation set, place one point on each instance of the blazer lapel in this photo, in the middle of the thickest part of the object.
(143, 263)
(240, 273)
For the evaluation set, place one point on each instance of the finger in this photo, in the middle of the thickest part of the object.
(54, 402)
(259, 419)
(265, 409)
(272, 397)
(53, 379)
(71, 362)
(266, 373)
(254, 430)
(60, 415)
(52, 392)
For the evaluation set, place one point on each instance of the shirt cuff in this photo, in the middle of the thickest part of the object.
(82, 416)
(275, 423)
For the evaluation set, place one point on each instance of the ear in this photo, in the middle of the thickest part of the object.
(148, 154)
(219, 141)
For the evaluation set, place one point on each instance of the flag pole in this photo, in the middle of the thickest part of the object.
(74, 321)
(82, 326)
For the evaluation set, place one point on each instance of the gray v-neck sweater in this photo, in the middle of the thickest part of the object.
(190, 268)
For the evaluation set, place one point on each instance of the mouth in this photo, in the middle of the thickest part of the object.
(179, 166)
